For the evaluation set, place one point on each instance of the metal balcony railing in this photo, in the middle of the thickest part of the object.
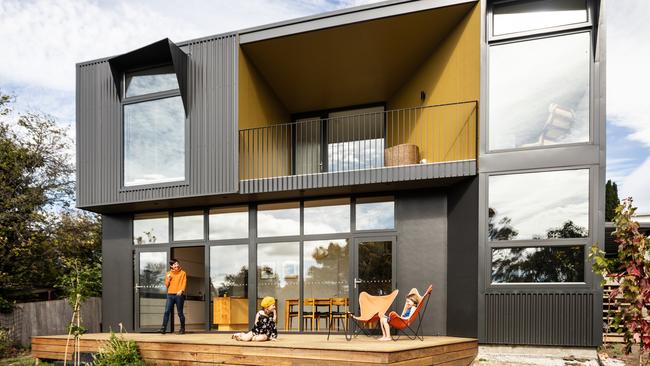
(419, 135)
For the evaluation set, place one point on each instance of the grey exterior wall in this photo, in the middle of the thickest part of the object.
(420, 258)
(549, 313)
(117, 273)
(452, 169)
(462, 259)
(212, 123)
(421, 252)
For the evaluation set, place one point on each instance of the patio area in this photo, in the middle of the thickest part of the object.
(290, 349)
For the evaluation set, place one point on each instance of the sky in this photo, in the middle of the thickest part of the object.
(43, 40)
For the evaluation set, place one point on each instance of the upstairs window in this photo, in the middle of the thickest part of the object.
(158, 79)
(515, 17)
(154, 128)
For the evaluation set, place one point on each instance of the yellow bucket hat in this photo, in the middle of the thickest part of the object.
(267, 301)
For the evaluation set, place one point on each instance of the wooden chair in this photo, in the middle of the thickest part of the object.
(292, 313)
(339, 316)
(404, 325)
(310, 314)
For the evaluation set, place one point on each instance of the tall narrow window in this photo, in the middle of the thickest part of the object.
(154, 129)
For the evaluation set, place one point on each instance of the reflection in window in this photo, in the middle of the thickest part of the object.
(229, 287)
(154, 142)
(545, 205)
(188, 225)
(278, 219)
(151, 81)
(151, 290)
(539, 92)
(326, 269)
(538, 264)
(375, 267)
(151, 228)
(375, 213)
(278, 275)
(327, 216)
(524, 16)
(228, 223)
(355, 139)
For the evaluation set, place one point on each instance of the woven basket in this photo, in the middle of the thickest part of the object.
(403, 154)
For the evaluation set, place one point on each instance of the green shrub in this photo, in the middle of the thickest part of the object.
(118, 351)
(7, 345)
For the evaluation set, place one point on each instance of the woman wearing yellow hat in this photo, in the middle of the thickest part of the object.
(264, 328)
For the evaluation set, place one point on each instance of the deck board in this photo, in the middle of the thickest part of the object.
(203, 349)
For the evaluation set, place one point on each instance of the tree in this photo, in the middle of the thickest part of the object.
(632, 271)
(611, 200)
(502, 230)
(567, 230)
(37, 227)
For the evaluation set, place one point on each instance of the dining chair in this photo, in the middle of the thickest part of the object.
(338, 315)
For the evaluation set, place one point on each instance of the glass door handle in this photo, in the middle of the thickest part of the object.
(357, 281)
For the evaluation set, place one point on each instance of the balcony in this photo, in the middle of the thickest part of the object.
(419, 143)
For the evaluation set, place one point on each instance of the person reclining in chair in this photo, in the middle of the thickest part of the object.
(410, 304)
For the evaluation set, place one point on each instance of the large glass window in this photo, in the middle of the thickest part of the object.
(278, 219)
(326, 270)
(278, 275)
(539, 92)
(327, 216)
(512, 17)
(151, 228)
(375, 213)
(154, 142)
(355, 139)
(151, 288)
(538, 264)
(152, 80)
(228, 223)
(229, 287)
(544, 205)
(188, 225)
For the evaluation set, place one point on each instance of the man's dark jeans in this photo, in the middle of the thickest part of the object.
(169, 306)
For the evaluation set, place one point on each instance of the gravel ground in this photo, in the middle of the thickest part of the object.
(526, 356)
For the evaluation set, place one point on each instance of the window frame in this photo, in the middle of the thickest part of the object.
(584, 242)
(149, 97)
(523, 34)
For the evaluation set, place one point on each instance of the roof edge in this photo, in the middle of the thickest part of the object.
(317, 21)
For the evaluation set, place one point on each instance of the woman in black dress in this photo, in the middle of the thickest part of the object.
(264, 328)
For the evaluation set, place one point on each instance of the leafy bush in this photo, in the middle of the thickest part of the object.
(118, 351)
(7, 345)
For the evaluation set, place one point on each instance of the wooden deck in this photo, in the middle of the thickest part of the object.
(306, 349)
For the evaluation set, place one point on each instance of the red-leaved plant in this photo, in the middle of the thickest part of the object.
(631, 269)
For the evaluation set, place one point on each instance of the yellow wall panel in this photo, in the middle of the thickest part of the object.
(450, 75)
(263, 152)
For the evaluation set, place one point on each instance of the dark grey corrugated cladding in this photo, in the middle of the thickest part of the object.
(212, 129)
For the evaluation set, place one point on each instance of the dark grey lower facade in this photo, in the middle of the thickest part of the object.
(434, 241)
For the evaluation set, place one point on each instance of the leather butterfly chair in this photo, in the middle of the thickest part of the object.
(371, 308)
(404, 327)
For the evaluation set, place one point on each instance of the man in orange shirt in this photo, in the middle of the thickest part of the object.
(175, 282)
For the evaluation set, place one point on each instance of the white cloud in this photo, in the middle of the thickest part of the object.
(47, 38)
(637, 186)
(627, 72)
